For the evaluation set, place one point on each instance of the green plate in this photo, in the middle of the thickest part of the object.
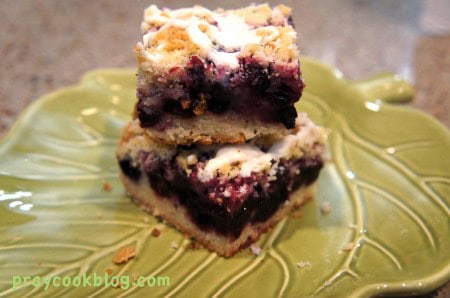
(387, 183)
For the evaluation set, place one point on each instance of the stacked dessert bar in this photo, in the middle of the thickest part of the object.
(216, 147)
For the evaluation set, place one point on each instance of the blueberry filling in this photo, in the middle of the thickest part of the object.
(257, 76)
(220, 99)
(253, 90)
(248, 199)
(287, 116)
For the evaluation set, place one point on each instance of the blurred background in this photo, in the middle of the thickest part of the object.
(49, 44)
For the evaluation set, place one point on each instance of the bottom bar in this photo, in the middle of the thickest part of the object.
(224, 196)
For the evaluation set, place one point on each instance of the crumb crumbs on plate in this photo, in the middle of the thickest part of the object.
(109, 271)
(124, 255)
(256, 250)
(352, 226)
(107, 186)
(348, 246)
(156, 232)
(174, 245)
(327, 283)
(325, 207)
(303, 264)
(146, 219)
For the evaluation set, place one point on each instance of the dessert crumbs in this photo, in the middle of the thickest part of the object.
(352, 226)
(256, 250)
(124, 255)
(146, 219)
(107, 186)
(303, 264)
(156, 232)
(325, 207)
(174, 245)
(109, 271)
(348, 246)
(327, 283)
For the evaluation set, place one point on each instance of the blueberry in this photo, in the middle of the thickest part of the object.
(196, 74)
(281, 95)
(175, 107)
(148, 116)
(129, 170)
(287, 116)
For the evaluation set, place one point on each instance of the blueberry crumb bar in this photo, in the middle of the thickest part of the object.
(224, 196)
(199, 68)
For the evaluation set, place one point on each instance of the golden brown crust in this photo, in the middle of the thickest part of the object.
(209, 128)
(134, 138)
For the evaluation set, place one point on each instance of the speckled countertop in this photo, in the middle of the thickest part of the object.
(49, 44)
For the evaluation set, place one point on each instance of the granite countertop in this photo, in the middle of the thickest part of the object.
(49, 44)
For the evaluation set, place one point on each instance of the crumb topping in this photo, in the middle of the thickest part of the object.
(171, 37)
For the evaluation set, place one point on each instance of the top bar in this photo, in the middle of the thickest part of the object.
(237, 70)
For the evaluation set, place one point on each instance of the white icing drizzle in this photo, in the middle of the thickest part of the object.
(220, 43)
(223, 58)
(250, 159)
(198, 37)
(234, 33)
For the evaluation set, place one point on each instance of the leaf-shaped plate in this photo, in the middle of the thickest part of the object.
(387, 183)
